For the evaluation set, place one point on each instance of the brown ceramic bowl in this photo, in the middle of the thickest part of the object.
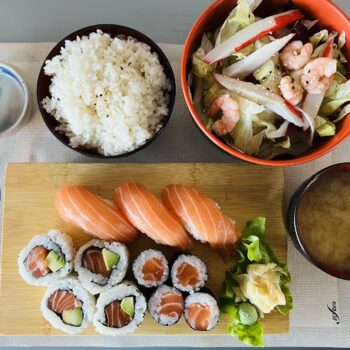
(114, 30)
(330, 16)
(293, 225)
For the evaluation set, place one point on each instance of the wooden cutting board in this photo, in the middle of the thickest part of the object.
(243, 192)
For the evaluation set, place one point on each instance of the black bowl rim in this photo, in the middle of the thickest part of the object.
(155, 48)
(293, 228)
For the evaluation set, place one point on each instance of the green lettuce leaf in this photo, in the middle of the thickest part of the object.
(240, 17)
(269, 75)
(326, 129)
(200, 68)
(343, 113)
(243, 133)
(211, 94)
(339, 97)
(321, 36)
(250, 335)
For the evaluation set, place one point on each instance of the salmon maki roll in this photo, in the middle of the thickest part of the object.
(202, 218)
(120, 310)
(68, 306)
(76, 205)
(166, 305)
(151, 268)
(147, 213)
(189, 273)
(46, 258)
(201, 312)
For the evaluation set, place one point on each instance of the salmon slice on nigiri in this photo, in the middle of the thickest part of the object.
(99, 217)
(147, 213)
(202, 217)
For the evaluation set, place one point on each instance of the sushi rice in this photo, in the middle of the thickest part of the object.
(88, 305)
(96, 283)
(53, 240)
(142, 259)
(119, 292)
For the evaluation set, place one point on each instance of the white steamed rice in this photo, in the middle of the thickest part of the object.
(107, 93)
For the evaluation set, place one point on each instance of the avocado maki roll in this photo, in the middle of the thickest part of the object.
(101, 265)
(119, 310)
(188, 273)
(46, 258)
(68, 306)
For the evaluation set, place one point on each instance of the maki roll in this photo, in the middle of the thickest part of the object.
(68, 306)
(101, 265)
(201, 311)
(119, 310)
(46, 259)
(189, 273)
(151, 268)
(166, 305)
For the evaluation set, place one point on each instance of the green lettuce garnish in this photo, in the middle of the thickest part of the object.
(253, 249)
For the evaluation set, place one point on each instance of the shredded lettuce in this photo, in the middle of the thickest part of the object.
(197, 96)
(338, 79)
(240, 17)
(339, 97)
(253, 249)
(343, 113)
(200, 68)
(326, 129)
(239, 55)
(321, 36)
(243, 133)
(210, 95)
(269, 75)
(206, 43)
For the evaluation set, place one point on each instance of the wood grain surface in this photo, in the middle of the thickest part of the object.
(243, 192)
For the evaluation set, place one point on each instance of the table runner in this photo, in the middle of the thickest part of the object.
(312, 323)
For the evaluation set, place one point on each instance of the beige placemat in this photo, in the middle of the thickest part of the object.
(311, 321)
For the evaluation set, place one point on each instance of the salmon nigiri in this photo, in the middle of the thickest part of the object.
(101, 218)
(146, 212)
(202, 217)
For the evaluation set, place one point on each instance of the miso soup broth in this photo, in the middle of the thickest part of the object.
(323, 219)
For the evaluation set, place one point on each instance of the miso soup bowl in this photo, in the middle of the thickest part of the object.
(294, 228)
(330, 17)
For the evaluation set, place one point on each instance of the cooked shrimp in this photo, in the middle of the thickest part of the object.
(296, 55)
(230, 114)
(317, 75)
(291, 90)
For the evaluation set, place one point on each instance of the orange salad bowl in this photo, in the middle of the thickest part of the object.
(330, 17)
